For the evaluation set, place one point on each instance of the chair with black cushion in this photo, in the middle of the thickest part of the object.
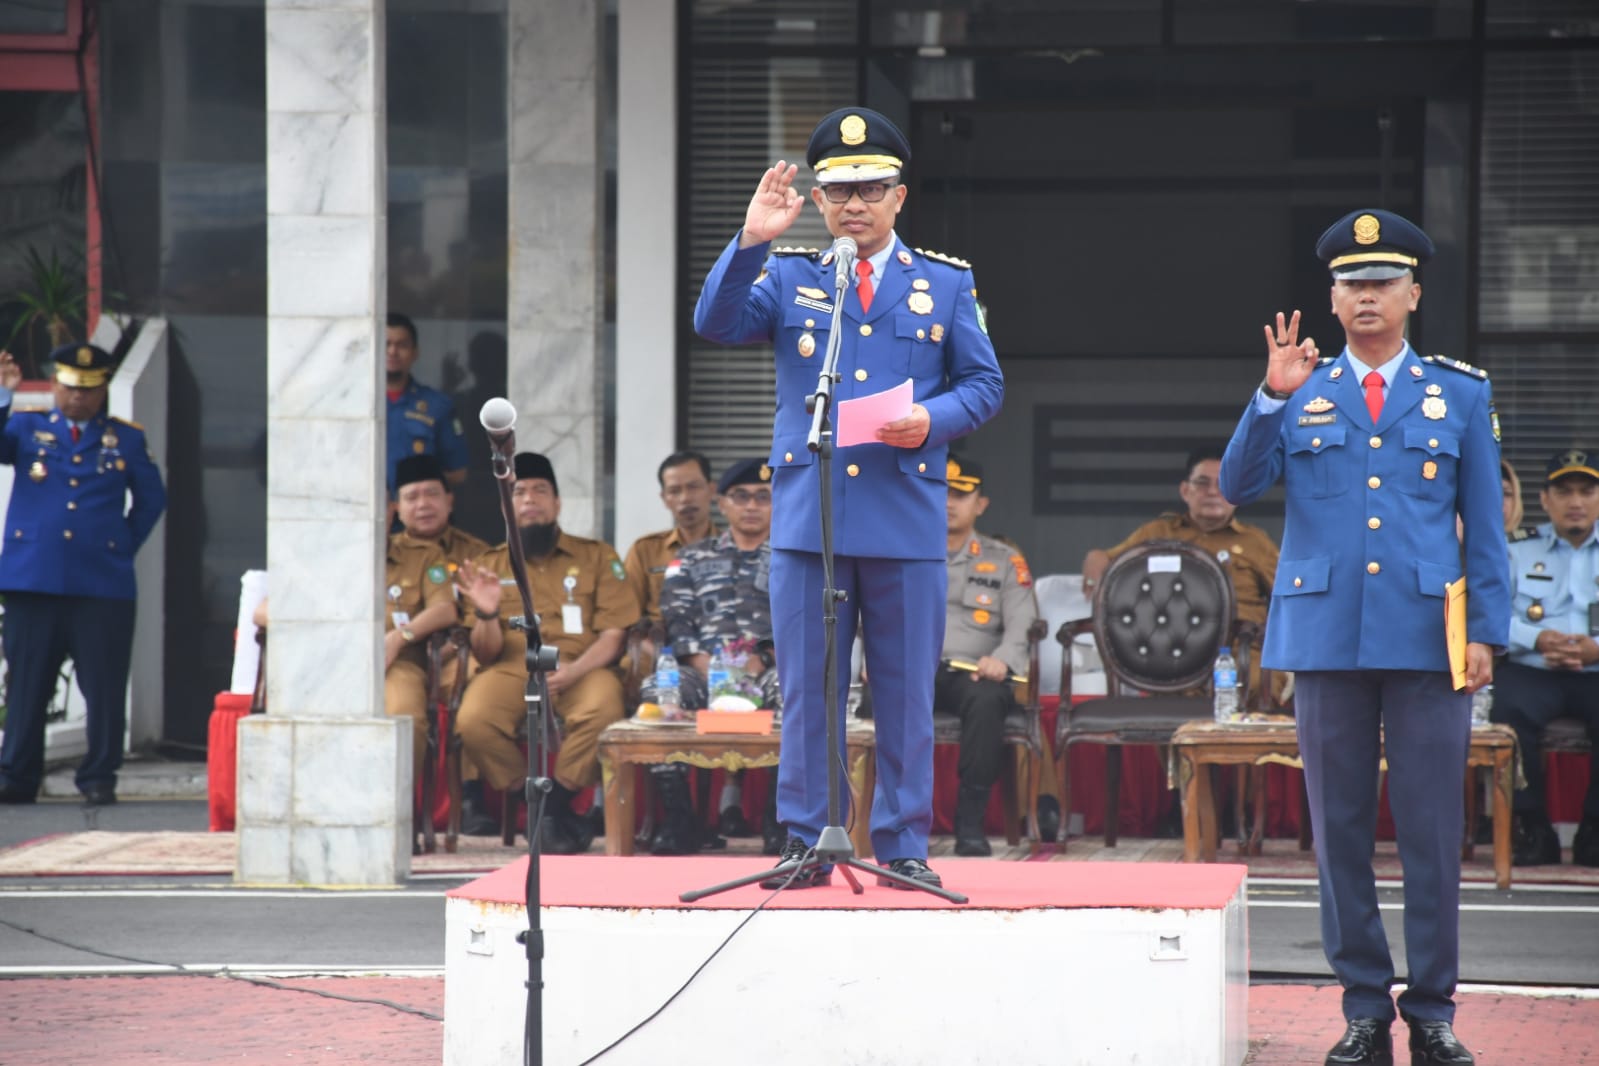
(446, 648)
(1162, 611)
(1020, 775)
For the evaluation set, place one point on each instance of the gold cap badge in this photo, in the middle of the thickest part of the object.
(1367, 230)
(85, 356)
(852, 130)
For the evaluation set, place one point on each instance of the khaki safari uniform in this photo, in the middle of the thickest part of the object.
(646, 568)
(1244, 551)
(417, 577)
(989, 609)
(581, 581)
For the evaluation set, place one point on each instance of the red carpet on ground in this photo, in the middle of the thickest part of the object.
(653, 882)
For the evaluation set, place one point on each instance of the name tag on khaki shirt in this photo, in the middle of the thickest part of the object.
(572, 618)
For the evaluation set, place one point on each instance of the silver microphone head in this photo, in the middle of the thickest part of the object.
(498, 415)
(846, 247)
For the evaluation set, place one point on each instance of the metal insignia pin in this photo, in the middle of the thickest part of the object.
(807, 345)
(36, 471)
(1415, 371)
(394, 592)
(1337, 372)
(1434, 407)
(920, 303)
(904, 257)
(921, 285)
(937, 332)
(1435, 390)
(1535, 611)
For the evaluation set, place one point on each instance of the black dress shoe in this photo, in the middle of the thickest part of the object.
(732, 823)
(773, 836)
(811, 877)
(1533, 841)
(596, 819)
(1434, 1044)
(915, 869)
(10, 793)
(1366, 1042)
(555, 837)
(1585, 846)
(99, 795)
(1048, 819)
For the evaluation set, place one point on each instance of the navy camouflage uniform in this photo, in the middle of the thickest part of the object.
(423, 422)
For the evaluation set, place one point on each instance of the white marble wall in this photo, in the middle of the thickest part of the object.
(324, 776)
(556, 250)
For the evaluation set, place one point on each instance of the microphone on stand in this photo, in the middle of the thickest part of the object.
(498, 417)
(844, 252)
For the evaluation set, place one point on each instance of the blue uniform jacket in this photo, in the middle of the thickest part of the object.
(1370, 540)
(422, 422)
(887, 502)
(1546, 570)
(69, 530)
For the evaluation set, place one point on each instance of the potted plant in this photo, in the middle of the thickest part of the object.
(53, 299)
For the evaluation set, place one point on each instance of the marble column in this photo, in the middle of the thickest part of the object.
(324, 775)
(647, 299)
(556, 255)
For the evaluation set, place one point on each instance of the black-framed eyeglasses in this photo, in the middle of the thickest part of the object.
(742, 498)
(870, 192)
(1203, 484)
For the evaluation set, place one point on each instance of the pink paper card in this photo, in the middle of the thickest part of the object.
(860, 419)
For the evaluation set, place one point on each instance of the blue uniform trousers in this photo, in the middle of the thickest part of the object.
(899, 604)
(1426, 726)
(41, 631)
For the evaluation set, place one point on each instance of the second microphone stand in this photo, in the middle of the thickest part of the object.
(833, 846)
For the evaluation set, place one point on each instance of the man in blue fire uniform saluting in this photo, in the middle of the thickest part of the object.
(907, 314)
(1379, 450)
(66, 570)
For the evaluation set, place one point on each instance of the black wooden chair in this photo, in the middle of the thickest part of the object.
(1162, 611)
(448, 652)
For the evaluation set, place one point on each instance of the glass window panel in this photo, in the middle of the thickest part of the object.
(1560, 19)
(33, 16)
(773, 22)
(1248, 21)
(1030, 24)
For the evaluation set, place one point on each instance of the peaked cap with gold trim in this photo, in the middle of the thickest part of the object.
(1373, 244)
(856, 144)
(82, 366)
(744, 472)
(963, 475)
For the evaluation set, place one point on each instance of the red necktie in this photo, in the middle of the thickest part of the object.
(863, 288)
(77, 434)
(1373, 384)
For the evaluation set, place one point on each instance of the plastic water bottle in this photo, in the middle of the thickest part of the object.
(1225, 677)
(1482, 704)
(666, 684)
(718, 676)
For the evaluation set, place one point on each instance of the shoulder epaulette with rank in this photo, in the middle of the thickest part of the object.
(954, 261)
(1455, 364)
(786, 250)
(1524, 533)
(128, 422)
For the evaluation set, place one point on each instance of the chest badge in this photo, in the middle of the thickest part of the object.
(1415, 371)
(36, 471)
(921, 285)
(1318, 405)
(920, 303)
(1535, 611)
(980, 617)
(807, 345)
(108, 439)
(1434, 407)
(1429, 470)
(904, 257)
(1435, 390)
(806, 290)
(1337, 372)
(937, 332)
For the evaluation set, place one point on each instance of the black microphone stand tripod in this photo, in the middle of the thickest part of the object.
(540, 661)
(833, 845)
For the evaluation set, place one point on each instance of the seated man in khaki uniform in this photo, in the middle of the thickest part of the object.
(686, 490)
(425, 507)
(1247, 554)
(989, 610)
(580, 593)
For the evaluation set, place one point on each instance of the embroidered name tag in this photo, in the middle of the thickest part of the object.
(815, 305)
(1317, 420)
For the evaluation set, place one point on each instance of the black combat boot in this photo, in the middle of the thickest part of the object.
(678, 833)
(476, 818)
(970, 804)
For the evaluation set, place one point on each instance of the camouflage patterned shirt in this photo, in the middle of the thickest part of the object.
(716, 593)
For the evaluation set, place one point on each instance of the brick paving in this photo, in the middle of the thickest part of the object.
(177, 1021)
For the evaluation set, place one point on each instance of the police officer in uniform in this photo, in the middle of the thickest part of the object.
(685, 480)
(1378, 450)
(990, 608)
(716, 595)
(1553, 668)
(66, 567)
(580, 593)
(910, 314)
(422, 420)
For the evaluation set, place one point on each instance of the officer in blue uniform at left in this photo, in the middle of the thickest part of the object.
(1379, 450)
(66, 566)
(907, 314)
(421, 420)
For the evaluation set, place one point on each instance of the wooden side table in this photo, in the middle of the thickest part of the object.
(631, 743)
(1197, 745)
